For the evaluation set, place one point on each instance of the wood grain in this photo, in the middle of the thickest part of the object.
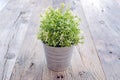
(22, 55)
(29, 65)
(12, 36)
(88, 51)
(104, 22)
(7, 31)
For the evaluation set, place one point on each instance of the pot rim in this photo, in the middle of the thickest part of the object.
(57, 47)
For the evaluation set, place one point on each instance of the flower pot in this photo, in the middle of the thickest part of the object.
(58, 58)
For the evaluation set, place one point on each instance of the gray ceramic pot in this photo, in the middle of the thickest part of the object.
(58, 58)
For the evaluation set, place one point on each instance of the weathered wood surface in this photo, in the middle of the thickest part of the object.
(103, 17)
(14, 22)
(22, 55)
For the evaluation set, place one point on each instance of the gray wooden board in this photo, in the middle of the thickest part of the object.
(29, 64)
(7, 30)
(12, 35)
(103, 17)
(88, 51)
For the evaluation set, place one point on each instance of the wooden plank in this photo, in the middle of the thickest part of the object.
(14, 38)
(31, 63)
(104, 21)
(6, 20)
(88, 51)
(30, 60)
(6, 28)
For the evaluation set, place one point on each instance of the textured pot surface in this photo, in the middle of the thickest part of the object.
(58, 58)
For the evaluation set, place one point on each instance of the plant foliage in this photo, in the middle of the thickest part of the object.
(60, 28)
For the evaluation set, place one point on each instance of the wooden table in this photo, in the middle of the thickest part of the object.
(22, 55)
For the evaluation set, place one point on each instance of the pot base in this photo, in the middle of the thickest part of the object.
(58, 69)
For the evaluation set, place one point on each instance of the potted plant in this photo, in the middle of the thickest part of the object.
(59, 32)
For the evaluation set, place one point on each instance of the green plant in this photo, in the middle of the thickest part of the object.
(60, 28)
